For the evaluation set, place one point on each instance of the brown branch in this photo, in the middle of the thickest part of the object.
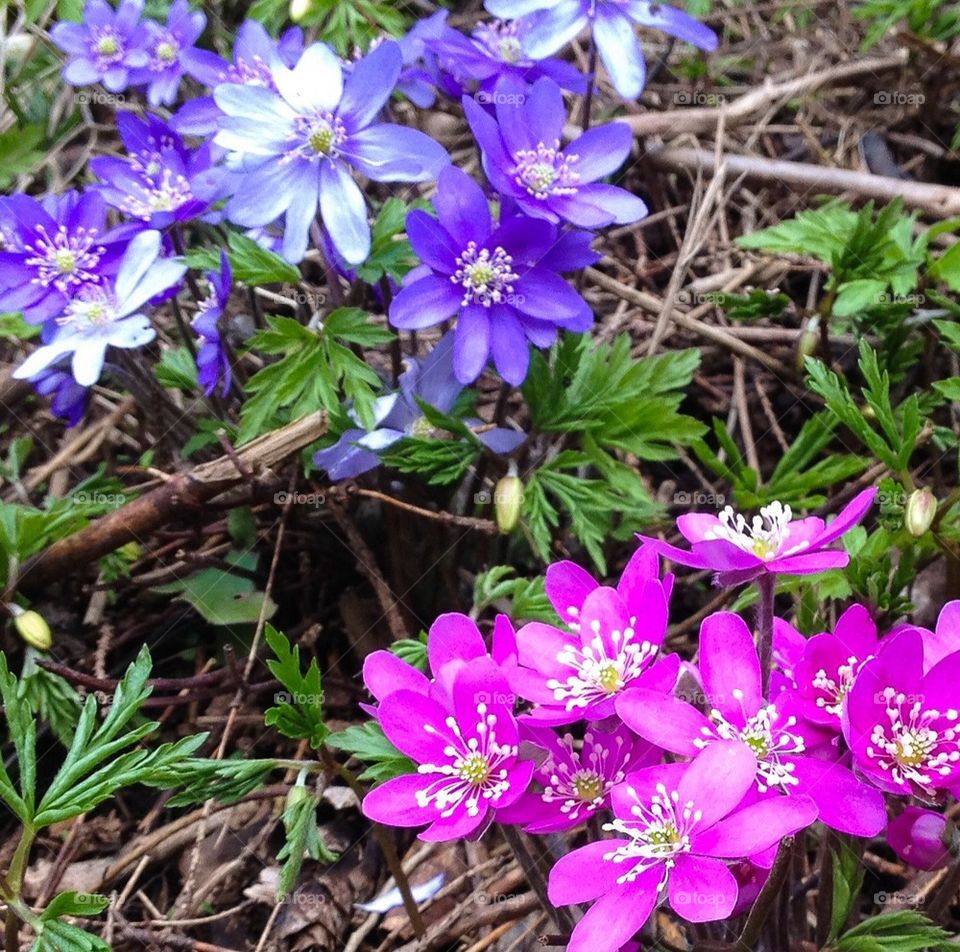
(180, 494)
(941, 201)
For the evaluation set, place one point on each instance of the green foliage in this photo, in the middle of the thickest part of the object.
(932, 19)
(177, 369)
(412, 650)
(369, 744)
(881, 571)
(299, 713)
(620, 402)
(801, 476)
(890, 433)
(302, 839)
(250, 262)
(221, 597)
(905, 931)
(438, 461)
(526, 599)
(847, 879)
(314, 368)
(390, 252)
(346, 26)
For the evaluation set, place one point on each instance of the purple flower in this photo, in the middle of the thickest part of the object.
(918, 837)
(399, 414)
(945, 640)
(420, 75)
(902, 725)
(213, 361)
(161, 181)
(296, 147)
(573, 780)
(774, 731)
(523, 158)
(676, 825)
(467, 751)
(551, 24)
(253, 54)
(568, 585)
(773, 542)
(578, 674)
(502, 283)
(828, 667)
(495, 52)
(166, 48)
(105, 47)
(108, 314)
(454, 640)
(51, 249)
(69, 398)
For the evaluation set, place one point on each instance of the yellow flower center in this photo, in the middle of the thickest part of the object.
(474, 769)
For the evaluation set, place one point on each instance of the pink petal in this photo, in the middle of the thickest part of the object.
(844, 802)
(584, 875)
(614, 918)
(665, 721)
(756, 827)
(384, 673)
(717, 780)
(730, 666)
(567, 585)
(702, 889)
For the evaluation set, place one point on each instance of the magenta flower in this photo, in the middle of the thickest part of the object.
(568, 585)
(525, 160)
(574, 782)
(773, 542)
(829, 664)
(467, 751)
(902, 725)
(577, 674)
(918, 837)
(774, 730)
(945, 640)
(454, 640)
(676, 825)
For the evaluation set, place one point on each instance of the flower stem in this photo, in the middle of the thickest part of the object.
(562, 918)
(767, 585)
(767, 898)
(592, 70)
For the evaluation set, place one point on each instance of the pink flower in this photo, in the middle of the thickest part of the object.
(917, 836)
(903, 726)
(676, 825)
(467, 751)
(773, 542)
(945, 640)
(575, 782)
(784, 744)
(577, 674)
(828, 667)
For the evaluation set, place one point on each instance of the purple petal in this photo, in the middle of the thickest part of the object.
(602, 150)
(508, 345)
(620, 51)
(567, 585)
(462, 207)
(344, 212)
(547, 30)
(369, 85)
(424, 303)
(385, 673)
(472, 343)
(665, 721)
(614, 918)
(702, 889)
(394, 803)
(673, 22)
(756, 827)
(718, 779)
(730, 666)
(844, 802)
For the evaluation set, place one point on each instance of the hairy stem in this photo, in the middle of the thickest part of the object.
(767, 584)
(767, 898)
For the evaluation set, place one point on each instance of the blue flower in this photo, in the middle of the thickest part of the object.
(50, 249)
(69, 398)
(213, 361)
(108, 314)
(105, 46)
(253, 53)
(501, 281)
(166, 48)
(524, 159)
(550, 24)
(297, 148)
(399, 415)
(161, 181)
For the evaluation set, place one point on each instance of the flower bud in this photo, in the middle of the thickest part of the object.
(508, 500)
(32, 628)
(299, 9)
(808, 343)
(295, 796)
(919, 837)
(921, 509)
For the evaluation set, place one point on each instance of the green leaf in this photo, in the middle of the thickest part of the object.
(251, 263)
(859, 295)
(298, 713)
(302, 839)
(906, 931)
(439, 462)
(74, 904)
(847, 880)
(412, 650)
(14, 327)
(950, 388)
(58, 936)
(369, 744)
(19, 152)
(177, 370)
(22, 729)
(525, 599)
(222, 598)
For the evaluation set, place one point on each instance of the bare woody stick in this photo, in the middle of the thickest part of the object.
(181, 493)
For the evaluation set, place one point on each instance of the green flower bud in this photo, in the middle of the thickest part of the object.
(32, 628)
(299, 9)
(508, 500)
(921, 509)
